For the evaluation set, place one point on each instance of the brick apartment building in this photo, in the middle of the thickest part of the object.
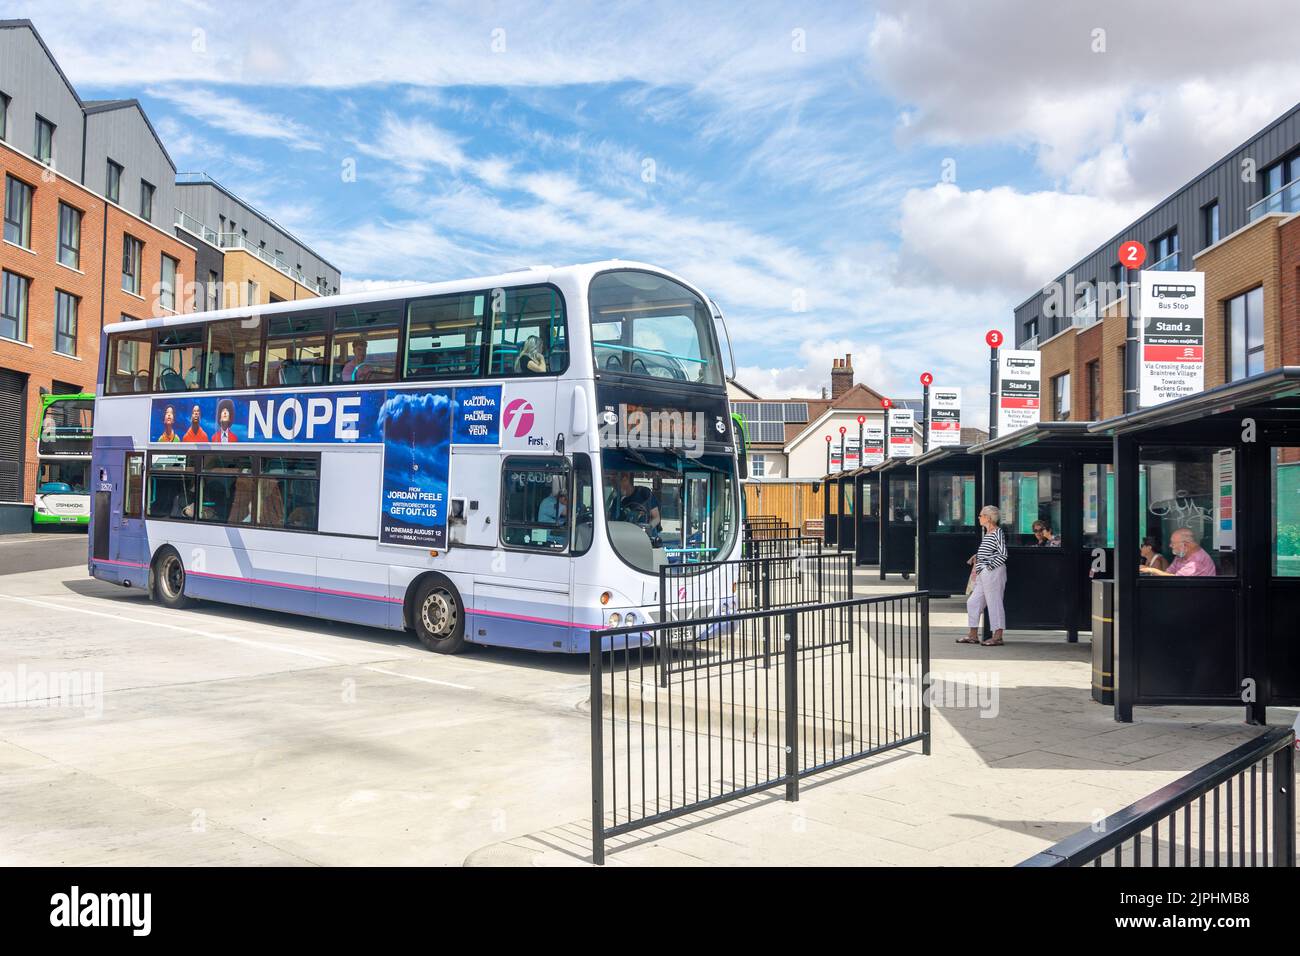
(1237, 223)
(93, 234)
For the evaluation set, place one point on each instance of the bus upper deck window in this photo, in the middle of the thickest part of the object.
(234, 353)
(295, 349)
(130, 357)
(648, 325)
(444, 336)
(528, 332)
(364, 345)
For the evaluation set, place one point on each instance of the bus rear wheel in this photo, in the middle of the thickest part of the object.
(167, 580)
(439, 616)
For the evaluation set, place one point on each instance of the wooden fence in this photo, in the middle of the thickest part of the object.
(797, 503)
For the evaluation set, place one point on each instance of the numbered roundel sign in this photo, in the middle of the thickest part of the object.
(828, 439)
(994, 338)
(843, 429)
(862, 419)
(927, 379)
(886, 403)
(1132, 254)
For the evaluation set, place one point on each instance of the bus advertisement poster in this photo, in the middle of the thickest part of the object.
(1173, 335)
(417, 428)
(478, 415)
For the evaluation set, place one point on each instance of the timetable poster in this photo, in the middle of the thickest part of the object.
(417, 428)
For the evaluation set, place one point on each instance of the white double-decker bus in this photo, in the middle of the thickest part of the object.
(506, 460)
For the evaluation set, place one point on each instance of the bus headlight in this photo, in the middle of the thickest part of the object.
(629, 618)
(615, 619)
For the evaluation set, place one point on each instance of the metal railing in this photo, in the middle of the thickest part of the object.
(235, 240)
(1238, 810)
(1286, 199)
(1168, 264)
(753, 584)
(686, 716)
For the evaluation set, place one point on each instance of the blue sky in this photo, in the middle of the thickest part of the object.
(887, 179)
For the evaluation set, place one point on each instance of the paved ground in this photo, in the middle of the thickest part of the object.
(228, 735)
(37, 552)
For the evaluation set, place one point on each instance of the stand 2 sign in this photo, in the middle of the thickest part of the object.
(1173, 335)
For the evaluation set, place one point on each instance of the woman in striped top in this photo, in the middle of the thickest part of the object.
(990, 573)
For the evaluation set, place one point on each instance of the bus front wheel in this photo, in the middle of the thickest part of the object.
(439, 616)
(167, 579)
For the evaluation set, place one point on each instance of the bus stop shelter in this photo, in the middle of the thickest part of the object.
(1059, 473)
(897, 486)
(866, 493)
(1218, 475)
(948, 482)
(830, 489)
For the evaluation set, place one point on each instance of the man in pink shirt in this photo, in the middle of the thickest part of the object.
(1190, 559)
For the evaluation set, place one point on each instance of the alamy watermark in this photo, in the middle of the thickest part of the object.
(78, 690)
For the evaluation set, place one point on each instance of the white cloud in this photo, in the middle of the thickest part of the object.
(236, 117)
(1178, 84)
(1001, 239)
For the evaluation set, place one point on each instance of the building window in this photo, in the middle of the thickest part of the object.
(132, 253)
(1094, 391)
(44, 140)
(214, 292)
(167, 286)
(1210, 224)
(65, 323)
(69, 236)
(18, 212)
(1245, 315)
(757, 466)
(4, 116)
(113, 182)
(1031, 329)
(146, 201)
(1061, 397)
(252, 293)
(1165, 251)
(13, 307)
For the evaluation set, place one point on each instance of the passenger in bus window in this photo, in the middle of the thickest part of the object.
(194, 377)
(531, 358)
(355, 369)
(196, 432)
(1151, 556)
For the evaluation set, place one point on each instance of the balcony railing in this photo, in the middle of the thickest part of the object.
(1286, 199)
(193, 226)
(1168, 264)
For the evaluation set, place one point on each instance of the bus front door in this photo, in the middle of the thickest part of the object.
(117, 532)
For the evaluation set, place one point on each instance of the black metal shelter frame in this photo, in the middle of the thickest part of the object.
(898, 516)
(948, 499)
(1232, 639)
(1050, 587)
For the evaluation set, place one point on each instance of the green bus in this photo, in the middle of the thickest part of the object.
(63, 435)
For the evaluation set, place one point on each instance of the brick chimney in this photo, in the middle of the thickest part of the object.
(841, 376)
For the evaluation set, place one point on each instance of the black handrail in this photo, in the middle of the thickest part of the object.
(1091, 843)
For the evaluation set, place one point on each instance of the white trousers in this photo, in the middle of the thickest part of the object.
(989, 585)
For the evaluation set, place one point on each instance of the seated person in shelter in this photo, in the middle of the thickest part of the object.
(530, 358)
(1043, 536)
(1190, 559)
(1151, 556)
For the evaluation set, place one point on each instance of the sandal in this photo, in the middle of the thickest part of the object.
(992, 642)
(968, 639)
